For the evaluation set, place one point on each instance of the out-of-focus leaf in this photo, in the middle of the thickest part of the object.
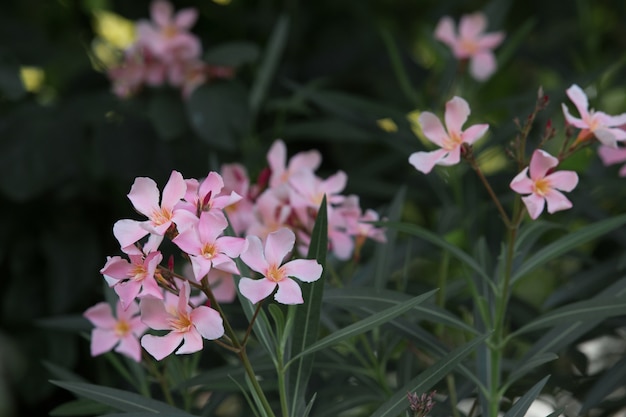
(529, 365)
(307, 316)
(62, 373)
(364, 325)
(219, 113)
(232, 54)
(224, 378)
(121, 400)
(328, 129)
(567, 243)
(271, 57)
(608, 382)
(595, 309)
(81, 407)
(167, 113)
(522, 405)
(11, 86)
(72, 323)
(424, 381)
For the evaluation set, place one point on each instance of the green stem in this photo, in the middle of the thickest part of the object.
(398, 68)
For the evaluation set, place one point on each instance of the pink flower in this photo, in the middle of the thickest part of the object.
(604, 127)
(207, 247)
(471, 42)
(207, 195)
(168, 36)
(144, 195)
(121, 332)
(544, 185)
(281, 171)
(450, 139)
(187, 325)
(268, 260)
(134, 278)
(612, 156)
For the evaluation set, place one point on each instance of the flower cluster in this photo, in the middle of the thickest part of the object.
(271, 222)
(538, 182)
(165, 52)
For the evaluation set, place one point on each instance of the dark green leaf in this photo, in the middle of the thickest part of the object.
(81, 407)
(607, 383)
(167, 114)
(521, 406)
(232, 54)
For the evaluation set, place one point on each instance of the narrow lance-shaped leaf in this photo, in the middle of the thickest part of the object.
(364, 325)
(120, 399)
(427, 379)
(567, 243)
(608, 382)
(307, 316)
(522, 405)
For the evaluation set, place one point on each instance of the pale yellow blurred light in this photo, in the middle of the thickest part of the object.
(106, 55)
(222, 2)
(387, 125)
(492, 160)
(32, 78)
(413, 118)
(114, 29)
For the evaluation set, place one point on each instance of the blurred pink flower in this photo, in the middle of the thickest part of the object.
(268, 261)
(121, 331)
(450, 139)
(612, 156)
(544, 185)
(187, 325)
(471, 42)
(594, 123)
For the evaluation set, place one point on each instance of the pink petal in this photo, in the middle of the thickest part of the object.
(289, 292)
(126, 312)
(211, 225)
(161, 12)
(192, 342)
(224, 263)
(610, 137)
(453, 157)
(116, 267)
(540, 163)
(426, 161)
(342, 245)
(557, 201)
(174, 190)
(189, 241)
(128, 232)
(336, 183)
(185, 18)
(307, 270)
(474, 132)
(213, 184)
(127, 291)
(490, 40)
(563, 180)
(253, 254)
(101, 315)
(184, 219)
(102, 341)
(278, 244)
(144, 195)
(521, 184)
(309, 161)
(483, 65)
(472, 25)
(129, 346)
(579, 98)
(445, 31)
(456, 114)
(534, 205)
(153, 314)
(201, 266)
(611, 156)
(573, 120)
(161, 346)
(256, 290)
(231, 246)
(223, 286)
(277, 158)
(432, 128)
(208, 322)
(612, 121)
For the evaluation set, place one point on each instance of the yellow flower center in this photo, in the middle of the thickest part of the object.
(180, 322)
(452, 141)
(469, 46)
(542, 186)
(161, 216)
(122, 328)
(138, 272)
(170, 31)
(209, 250)
(275, 274)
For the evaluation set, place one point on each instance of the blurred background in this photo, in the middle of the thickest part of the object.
(340, 76)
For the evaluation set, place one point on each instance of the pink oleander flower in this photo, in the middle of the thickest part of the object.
(207, 195)
(612, 156)
(594, 123)
(268, 261)
(167, 36)
(135, 278)
(544, 186)
(120, 332)
(450, 139)
(236, 180)
(206, 246)
(186, 325)
(281, 171)
(271, 214)
(471, 42)
(144, 195)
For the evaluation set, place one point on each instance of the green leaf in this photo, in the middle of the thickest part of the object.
(80, 407)
(364, 325)
(567, 243)
(10, 83)
(327, 129)
(529, 365)
(521, 406)
(166, 111)
(219, 113)
(272, 55)
(608, 382)
(384, 253)
(62, 373)
(232, 54)
(307, 315)
(427, 379)
(595, 309)
(120, 400)
(437, 240)
(380, 300)
(223, 378)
